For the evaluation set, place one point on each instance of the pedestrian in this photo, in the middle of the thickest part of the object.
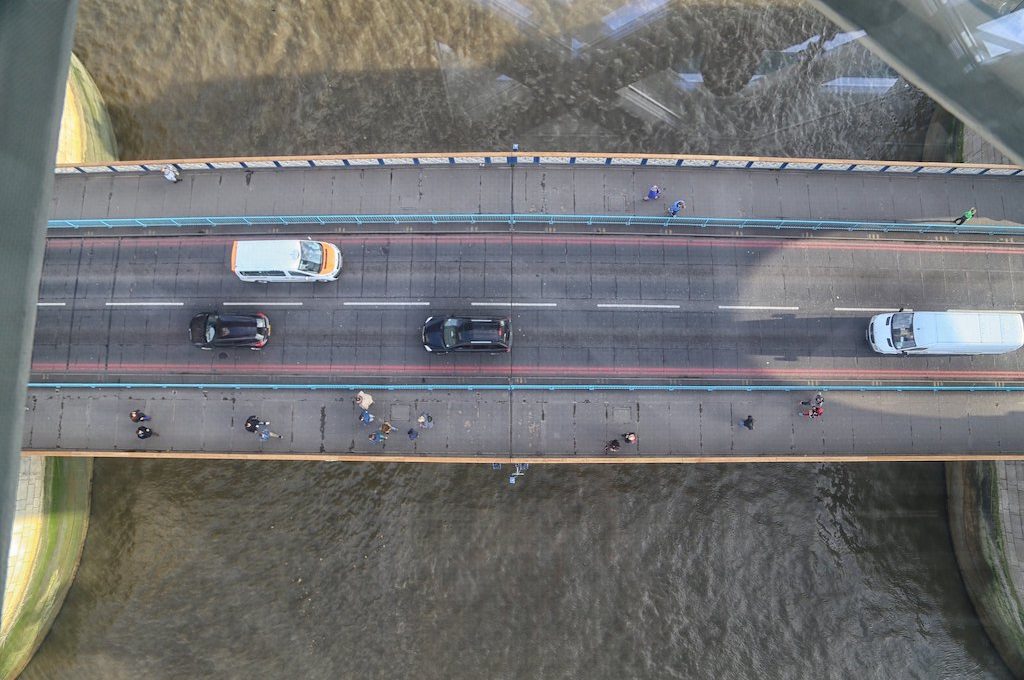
(366, 417)
(815, 412)
(425, 421)
(138, 416)
(676, 208)
(143, 432)
(612, 446)
(171, 174)
(412, 434)
(817, 401)
(386, 428)
(748, 422)
(266, 434)
(653, 194)
(252, 424)
(966, 217)
(363, 400)
(377, 437)
(630, 437)
(263, 430)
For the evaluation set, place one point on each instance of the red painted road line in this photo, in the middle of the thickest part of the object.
(153, 242)
(539, 371)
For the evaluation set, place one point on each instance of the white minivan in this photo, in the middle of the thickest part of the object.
(946, 332)
(285, 260)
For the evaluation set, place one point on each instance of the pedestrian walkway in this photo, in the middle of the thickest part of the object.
(551, 189)
(567, 426)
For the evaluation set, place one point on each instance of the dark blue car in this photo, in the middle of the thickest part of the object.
(466, 334)
(210, 329)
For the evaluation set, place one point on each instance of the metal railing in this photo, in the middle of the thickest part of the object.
(538, 218)
(550, 158)
(557, 387)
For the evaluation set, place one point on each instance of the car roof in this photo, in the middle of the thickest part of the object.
(236, 326)
(481, 331)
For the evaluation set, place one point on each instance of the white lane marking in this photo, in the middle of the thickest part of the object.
(262, 304)
(513, 304)
(636, 306)
(865, 309)
(51, 304)
(145, 304)
(386, 304)
(987, 311)
(759, 308)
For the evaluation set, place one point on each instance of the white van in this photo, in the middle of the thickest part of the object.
(946, 332)
(292, 261)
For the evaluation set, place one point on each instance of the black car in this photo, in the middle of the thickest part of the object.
(210, 329)
(466, 334)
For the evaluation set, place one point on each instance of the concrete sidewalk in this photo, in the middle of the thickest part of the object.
(572, 426)
(604, 190)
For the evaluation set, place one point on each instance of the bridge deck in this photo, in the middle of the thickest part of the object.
(805, 304)
(611, 190)
(569, 426)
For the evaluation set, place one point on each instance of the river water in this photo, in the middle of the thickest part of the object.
(269, 570)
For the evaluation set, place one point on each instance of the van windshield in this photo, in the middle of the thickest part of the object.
(903, 330)
(311, 258)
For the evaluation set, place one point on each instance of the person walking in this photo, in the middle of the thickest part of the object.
(260, 428)
(143, 432)
(265, 433)
(817, 401)
(366, 417)
(612, 446)
(966, 217)
(138, 416)
(412, 434)
(377, 437)
(363, 400)
(386, 428)
(676, 208)
(653, 194)
(425, 421)
(748, 422)
(814, 412)
(171, 174)
(629, 437)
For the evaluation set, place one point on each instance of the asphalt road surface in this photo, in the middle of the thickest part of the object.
(584, 308)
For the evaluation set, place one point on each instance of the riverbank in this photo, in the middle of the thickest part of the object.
(986, 502)
(50, 525)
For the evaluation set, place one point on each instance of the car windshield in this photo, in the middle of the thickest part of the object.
(450, 332)
(312, 257)
(211, 327)
(903, 330)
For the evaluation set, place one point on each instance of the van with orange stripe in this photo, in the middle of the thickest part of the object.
(285, 260)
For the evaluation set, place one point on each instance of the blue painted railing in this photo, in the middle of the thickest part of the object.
(349, 387)
(538, 218)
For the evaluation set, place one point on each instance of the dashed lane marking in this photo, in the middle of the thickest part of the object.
(513, 304)
(386, 304)
(759, 308)
(636, 306)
